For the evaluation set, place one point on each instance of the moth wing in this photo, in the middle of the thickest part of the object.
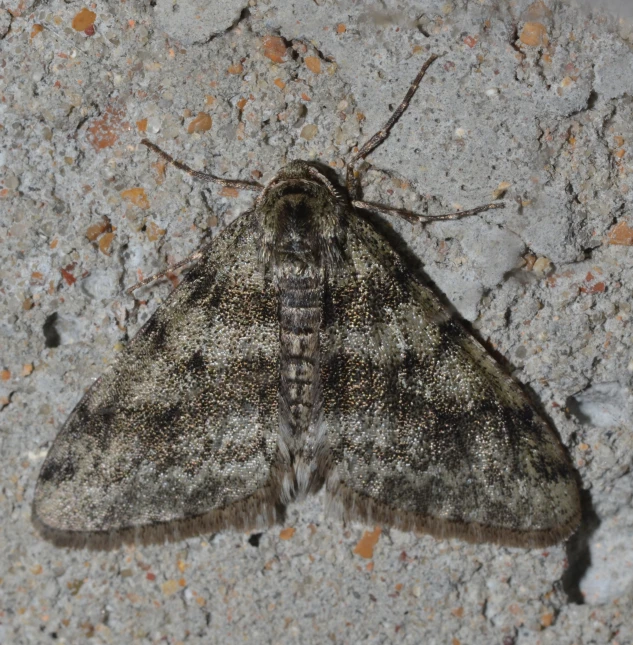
(183, 427)
(424, 430)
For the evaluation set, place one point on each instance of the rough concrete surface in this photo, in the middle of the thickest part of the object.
(531, 100)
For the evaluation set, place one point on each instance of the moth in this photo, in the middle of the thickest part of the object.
(300, 352)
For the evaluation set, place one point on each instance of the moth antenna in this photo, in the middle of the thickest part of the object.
(334, 190)
(231, 183)
(416, 218)
(383, 133)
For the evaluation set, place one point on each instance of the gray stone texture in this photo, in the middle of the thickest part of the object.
(531, 100)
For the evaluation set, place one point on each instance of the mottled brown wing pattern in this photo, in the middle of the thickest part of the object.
(183, 427)
(424, 429)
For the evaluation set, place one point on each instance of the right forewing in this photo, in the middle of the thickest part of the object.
(423, 428)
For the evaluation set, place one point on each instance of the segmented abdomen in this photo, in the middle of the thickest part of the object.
(300, 311)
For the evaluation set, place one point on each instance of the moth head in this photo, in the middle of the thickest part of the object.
(302, 215)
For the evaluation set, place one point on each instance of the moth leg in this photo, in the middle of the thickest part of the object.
(353, 184)
(232, 183)
(416, 218)
(194, 257)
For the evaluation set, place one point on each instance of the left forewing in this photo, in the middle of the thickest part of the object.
(180, 433)
(424, 430)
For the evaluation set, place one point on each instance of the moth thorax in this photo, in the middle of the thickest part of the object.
(297, 225)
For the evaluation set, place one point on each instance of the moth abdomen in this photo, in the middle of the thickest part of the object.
(300, 316)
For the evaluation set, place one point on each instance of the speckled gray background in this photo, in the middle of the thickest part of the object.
(530, 98)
